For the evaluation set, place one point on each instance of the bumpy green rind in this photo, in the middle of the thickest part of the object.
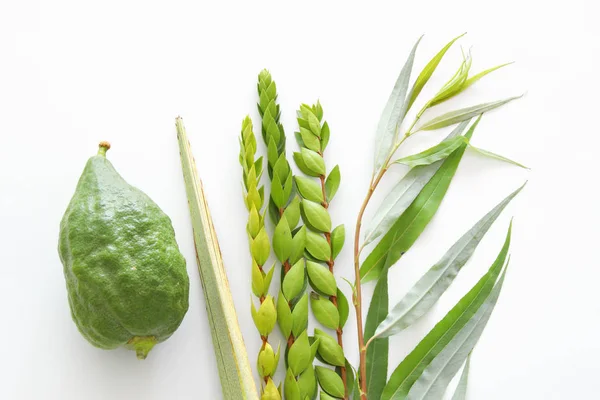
(127, 281)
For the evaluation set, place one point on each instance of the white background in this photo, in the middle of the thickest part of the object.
(73, 73)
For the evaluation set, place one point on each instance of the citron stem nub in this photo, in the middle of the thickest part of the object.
(103, 148)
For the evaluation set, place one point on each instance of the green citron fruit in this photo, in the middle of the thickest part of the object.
(127, 281)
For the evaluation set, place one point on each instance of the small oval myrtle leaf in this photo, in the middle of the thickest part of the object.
(298, 245)
(322, 279)
(282, 168)
(393, 113)
(310, 141)
(427, 291)
(343, 307)
(329, 349)
(254, 222)
(292, 212)
(315, 342)
(316, 215)
(258, 284)
(302, 165)
(266, 316)
(288, 187)
(313, 161)
(272, 154)
(442, 336)
(293, 280)
(300, 316)
(307, 382)
(332, 183)
(496, 156)
(298, 136)
(436, 153)
(454, 117)
(403, 194)
(426, 73)
(260, 247)
(338, 236)
(315, 125)
(325, 396)
(291, 389)
(299, 354)
(480, 75)
(284, 316)
(324, 136)
(282, 240)
(309, 189)
(265, 362)
(460, 393)
(330, 381)
(325, 312)
(267, 280)
(317, 246)
(411, 223)
(270, 392)
(277, 194)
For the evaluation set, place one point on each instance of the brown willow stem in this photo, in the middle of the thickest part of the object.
(333, 299)
(357, 249)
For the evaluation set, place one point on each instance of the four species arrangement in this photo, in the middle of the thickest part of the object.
(128, 286)
(306, 243)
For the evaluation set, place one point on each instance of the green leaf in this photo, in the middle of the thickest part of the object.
(343, 307)
(460, 393)
(393, 113)
(436, 153)
(315, 125)
(324, 311)
(277, 193)
(292, 212)
(324, 136)
(338, 236)
(480, 75)
(332, 183)
(321, 278)
(267, 280)
(413, 366)
(496, 156)
(302, 165)
(310, 140)
(299, 354)
(427, 291)
(254, 222)
(455, 84)
(298, 245)
(266, 361)
(293, 282)
(428, 71)
(378, 350)
(411, 223)
(266, 316)
(325, 396)
(300, 316)
(316, 215)
(434, 380)
(307, 382)
(403, 194)
(282, 240)
(330, 381)
(260, 248)
(317, 246)
(284, 316)
(329, 349)
(454, 117)
(313, 161)
(309, 189)
(258, 286)
(291, 389)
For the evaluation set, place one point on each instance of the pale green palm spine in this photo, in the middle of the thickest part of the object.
(323, 244)
(266, 315)
(288, 245)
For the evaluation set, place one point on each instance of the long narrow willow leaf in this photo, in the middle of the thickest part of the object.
(454, 117)
(393, 113)
(455, 85)
(235, 373)
(496, 156)
(409, 226)
(434, 380)
(426, 73)
(403, 194)
(480, 75)
(412, 367)
(427, 291)
(436, 153)
(460, 393)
